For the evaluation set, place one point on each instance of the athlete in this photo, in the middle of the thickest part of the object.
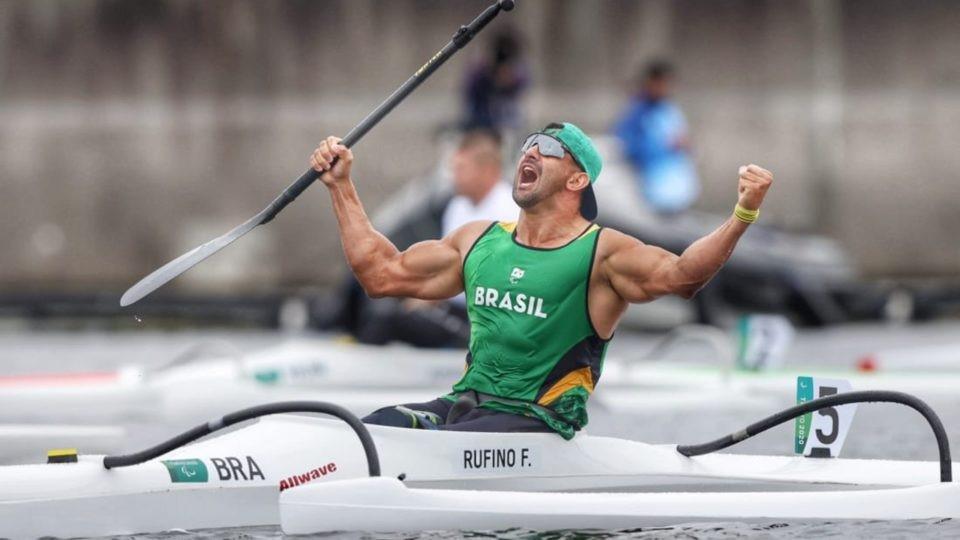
(544, 294)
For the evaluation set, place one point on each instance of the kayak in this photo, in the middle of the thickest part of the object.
(201, 382)
(931, 385)
(311, 475)
(364, 378)
(361, 378)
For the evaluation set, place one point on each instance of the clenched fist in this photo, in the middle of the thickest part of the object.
(754, 183)
(333, 160)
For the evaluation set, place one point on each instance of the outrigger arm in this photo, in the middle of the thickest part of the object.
(846, 398)
(187, 437)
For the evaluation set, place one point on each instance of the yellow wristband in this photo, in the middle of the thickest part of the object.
(746, 216)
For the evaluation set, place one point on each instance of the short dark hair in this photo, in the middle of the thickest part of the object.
(487, 140)
(505, 48)
(479, 135)
(657, 69)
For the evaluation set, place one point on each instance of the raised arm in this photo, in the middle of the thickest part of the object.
(640, 273)
(428, 270)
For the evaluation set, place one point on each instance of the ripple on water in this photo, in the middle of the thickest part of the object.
(942, 528)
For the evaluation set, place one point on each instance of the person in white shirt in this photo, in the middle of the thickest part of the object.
(481, 193)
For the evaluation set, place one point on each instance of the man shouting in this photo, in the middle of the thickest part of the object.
(544, 294)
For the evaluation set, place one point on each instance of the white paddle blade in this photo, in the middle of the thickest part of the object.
(188, 260)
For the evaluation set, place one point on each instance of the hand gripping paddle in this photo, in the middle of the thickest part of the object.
(191, 258)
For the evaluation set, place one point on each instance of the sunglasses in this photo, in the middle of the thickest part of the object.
(548, 146)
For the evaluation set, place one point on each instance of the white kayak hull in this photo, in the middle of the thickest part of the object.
(363, 378)
(315, 368)
(235, 479)
(778, 384)
(386, 505)
(360, 378)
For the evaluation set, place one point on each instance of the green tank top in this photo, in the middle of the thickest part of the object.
(531, 337)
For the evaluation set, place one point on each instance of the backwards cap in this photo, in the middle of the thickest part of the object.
(585, 154)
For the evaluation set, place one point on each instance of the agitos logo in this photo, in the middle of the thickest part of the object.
(230, 468)
(186, 470)
(307, 477)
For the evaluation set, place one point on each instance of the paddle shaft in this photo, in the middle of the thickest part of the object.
(188, 260)
(460, 39)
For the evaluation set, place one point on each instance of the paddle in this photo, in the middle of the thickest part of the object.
(191, 258)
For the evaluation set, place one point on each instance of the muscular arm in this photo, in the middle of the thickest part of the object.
(640, 273)
(428, 270)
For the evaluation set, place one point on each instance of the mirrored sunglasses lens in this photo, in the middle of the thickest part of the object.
(547, 145)
(550, 147)
(528, 144)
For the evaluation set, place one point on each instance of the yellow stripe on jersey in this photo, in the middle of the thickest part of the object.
(579, 377)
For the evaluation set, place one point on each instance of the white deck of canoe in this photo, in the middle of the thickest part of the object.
(88, 500)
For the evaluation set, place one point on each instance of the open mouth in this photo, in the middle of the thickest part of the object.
(528, 175)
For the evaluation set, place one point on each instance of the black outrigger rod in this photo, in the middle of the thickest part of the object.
(188, 260)
(187, 437)
(846, 398)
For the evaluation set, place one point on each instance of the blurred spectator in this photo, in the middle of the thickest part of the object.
(653, 132)
(480, 191)
(494, 85)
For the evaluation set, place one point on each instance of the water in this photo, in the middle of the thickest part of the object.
(715, 530)
(879, 431)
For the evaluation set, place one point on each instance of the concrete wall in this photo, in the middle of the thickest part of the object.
(131, 131)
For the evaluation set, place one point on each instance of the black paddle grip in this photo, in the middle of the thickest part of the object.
(292, 192)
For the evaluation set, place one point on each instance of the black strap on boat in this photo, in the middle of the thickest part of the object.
(846, 398)
(369, 448)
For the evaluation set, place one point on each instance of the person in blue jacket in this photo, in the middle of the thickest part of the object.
(653, 133)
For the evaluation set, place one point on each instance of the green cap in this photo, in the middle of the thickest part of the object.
(586, 155)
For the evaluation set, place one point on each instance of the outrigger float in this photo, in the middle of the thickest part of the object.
(312, 475)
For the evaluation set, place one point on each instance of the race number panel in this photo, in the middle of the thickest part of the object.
(822, 432)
